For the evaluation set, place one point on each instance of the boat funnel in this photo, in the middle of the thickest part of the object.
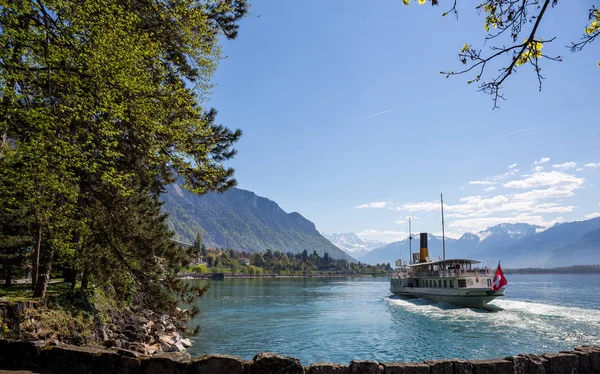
(424, 252)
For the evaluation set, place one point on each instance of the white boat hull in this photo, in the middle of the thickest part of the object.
(469, 297)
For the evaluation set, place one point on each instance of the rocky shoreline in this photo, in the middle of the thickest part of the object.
(137, 330)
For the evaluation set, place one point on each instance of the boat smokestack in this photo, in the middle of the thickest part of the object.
(424, 252)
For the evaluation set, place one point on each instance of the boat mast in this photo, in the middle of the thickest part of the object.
(443, 236)
(409, 242)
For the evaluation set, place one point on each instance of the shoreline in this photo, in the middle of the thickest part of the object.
(244, 276)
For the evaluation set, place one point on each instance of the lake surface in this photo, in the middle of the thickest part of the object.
(339, 320)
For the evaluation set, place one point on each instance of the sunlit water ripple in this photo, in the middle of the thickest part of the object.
(339, 320)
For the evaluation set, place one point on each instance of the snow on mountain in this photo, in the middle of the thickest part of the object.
(508, 230)
(352, 244)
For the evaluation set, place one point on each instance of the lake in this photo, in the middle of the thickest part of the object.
(344, 319)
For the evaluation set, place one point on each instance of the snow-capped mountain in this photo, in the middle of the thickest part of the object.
(517, 245)
(507, 230)
(352, 244)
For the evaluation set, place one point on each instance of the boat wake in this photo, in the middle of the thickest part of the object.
(554, 322)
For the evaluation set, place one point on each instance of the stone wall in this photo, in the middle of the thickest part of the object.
(36, 355)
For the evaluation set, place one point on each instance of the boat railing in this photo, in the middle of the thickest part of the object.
(451, 272)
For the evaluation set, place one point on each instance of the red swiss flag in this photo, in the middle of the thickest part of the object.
(499, 280)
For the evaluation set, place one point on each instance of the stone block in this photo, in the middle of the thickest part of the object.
(462, 367)
(21, 354)
(440, 366)
(214, 364)
(70, 358)
(364, 367)
(405, 368)
(273, 363)
(113, 363)
(593, 354)
(492, 366)
(327, 368)
(583, 360)
(127, 352)
(167, 363)
(563, 363)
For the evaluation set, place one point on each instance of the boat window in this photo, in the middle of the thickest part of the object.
(462, 283)
(451, 283)
(445, 283)
(489, 282)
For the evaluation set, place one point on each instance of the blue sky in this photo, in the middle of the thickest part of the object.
(342, 105)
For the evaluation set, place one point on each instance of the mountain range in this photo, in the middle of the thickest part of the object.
(517, 245)
(241, 220)
(352, 243)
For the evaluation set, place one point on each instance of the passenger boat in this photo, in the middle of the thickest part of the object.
(456, 281)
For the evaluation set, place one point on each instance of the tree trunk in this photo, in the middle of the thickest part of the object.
(76, 241)
(44, 276)
(35, 259)
(85, 278)
(8, 276)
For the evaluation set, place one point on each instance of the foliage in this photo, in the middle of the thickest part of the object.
(101, 107)
(507, 21)
(277, 262)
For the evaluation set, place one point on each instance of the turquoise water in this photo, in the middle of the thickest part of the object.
(339, 320)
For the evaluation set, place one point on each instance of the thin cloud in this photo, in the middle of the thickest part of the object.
(489, 189)
(378, 114)
(566, 165)
(592, 165)
(542, 160)
(512, 166)
(374, 204)
(520, 131)
(482, 182)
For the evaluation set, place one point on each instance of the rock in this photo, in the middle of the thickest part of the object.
(536, 364)
(440, 367)
(69, 359)
(168, 363)
(186, 343)
(179, 346)
(593, 354)
(174, 356)
(127, 353)
(111, 362)
(492, 366)
(152, 349)
(137, 347)
(364, 367)
(327, 368)
(53, 342)
(462, 367)
(217, 364)
(405, 368)
(167, 344)
(562, 362)
(19, 354)
(170, 327)
(119, 343)
(273, 363)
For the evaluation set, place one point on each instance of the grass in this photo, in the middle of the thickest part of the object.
(24, 292)
(69, 316)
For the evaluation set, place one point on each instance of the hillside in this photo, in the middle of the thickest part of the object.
(243, 221)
